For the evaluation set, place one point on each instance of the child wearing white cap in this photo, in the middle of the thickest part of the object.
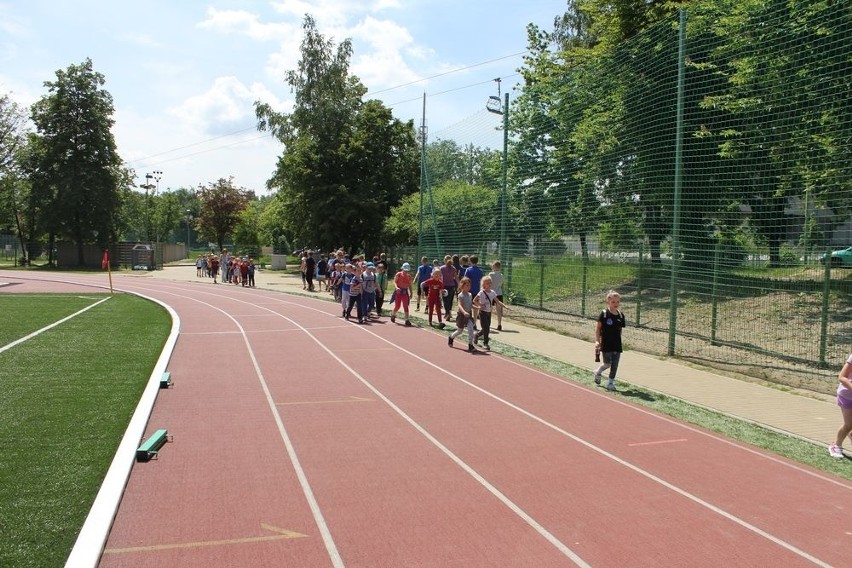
(402, 292)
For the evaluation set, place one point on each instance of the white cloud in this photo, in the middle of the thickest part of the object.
(248, 24)
(226, 107)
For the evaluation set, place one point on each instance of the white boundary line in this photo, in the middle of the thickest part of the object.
(92, 538)
(647, 474)
(51, 326)
(511, 505)
(328, 540)
(583, 442)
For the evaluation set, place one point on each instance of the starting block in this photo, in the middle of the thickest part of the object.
(166, 381)
(152, 445)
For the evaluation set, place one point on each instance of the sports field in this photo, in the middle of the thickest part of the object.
(364, 468)
(66, 396)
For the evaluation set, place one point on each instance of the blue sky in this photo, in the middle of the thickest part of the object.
(184, 75)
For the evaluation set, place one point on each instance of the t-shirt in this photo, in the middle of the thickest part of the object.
(355, 285)
(486, 300)
(448, 273)
(496, 282)
(475, 274)
(402, 280)
(369, 282)
(424, 272)
(842, 391)
(434, 286)
(611, 325)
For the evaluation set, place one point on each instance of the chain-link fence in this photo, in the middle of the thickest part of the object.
(703, 169)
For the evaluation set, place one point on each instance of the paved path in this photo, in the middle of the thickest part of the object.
(812, 418)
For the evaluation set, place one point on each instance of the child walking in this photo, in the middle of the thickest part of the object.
(402, 291)
(464, 315)
(844, 401)
(434, 287)
(485, 302)
(497, 285)
(608, 338)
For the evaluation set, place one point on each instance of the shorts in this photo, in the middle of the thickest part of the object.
(844, 402)
(321, 278)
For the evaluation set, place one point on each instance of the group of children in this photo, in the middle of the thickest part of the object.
(465, 284)
(478, 297)
(234, 269)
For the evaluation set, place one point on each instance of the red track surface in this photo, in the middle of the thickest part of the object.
(304, 440)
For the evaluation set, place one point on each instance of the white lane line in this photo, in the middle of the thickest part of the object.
(319, 519)
(51, 326)
(623, 462)
(688, 427)
(577, 439)
(535, 525)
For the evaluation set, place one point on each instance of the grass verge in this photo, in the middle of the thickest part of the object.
(66, 398)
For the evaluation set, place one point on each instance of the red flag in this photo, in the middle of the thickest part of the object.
(105, 260)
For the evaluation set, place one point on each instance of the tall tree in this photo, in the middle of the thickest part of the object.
(76, 165)
(14, 190)
(341, 154)
(221, 206)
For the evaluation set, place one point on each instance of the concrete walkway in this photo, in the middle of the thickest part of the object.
(812, 418)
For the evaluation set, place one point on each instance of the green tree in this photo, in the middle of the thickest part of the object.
(465, 215)
(221, 206)
(345, 161)
(247, 233)
(14, 188)
(75, 166)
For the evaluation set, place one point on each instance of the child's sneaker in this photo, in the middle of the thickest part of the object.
(407, 323)
(471, 348)
(610, 386)
(597, 378)
(835, 451)
(450, 341)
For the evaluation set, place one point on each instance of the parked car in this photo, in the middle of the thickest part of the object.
(841, 257)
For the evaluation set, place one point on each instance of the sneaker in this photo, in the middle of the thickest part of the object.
(597, 379)
(835, 451)
(471, 348)
(450, 341)
(407, 323)
(487, 347)
(442, 325)
(499, 327)
(611, 387)
(393, 318)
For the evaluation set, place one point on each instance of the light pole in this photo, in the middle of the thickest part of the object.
(188, 221)
(156, 176)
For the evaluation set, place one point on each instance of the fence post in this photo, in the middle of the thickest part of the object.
(639, 284)
(678, 182)
(823, 326)
(714, 296)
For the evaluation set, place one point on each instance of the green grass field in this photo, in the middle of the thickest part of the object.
(66, 397)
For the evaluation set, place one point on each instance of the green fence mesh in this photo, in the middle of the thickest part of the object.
(702, 169)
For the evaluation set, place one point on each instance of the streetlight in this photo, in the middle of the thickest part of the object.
(156, 176)
(188, 221)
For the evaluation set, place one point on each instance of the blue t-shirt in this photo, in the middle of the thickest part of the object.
(424, 273)
(475, 274)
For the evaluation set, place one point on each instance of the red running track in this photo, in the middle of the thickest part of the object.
(305, 440)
